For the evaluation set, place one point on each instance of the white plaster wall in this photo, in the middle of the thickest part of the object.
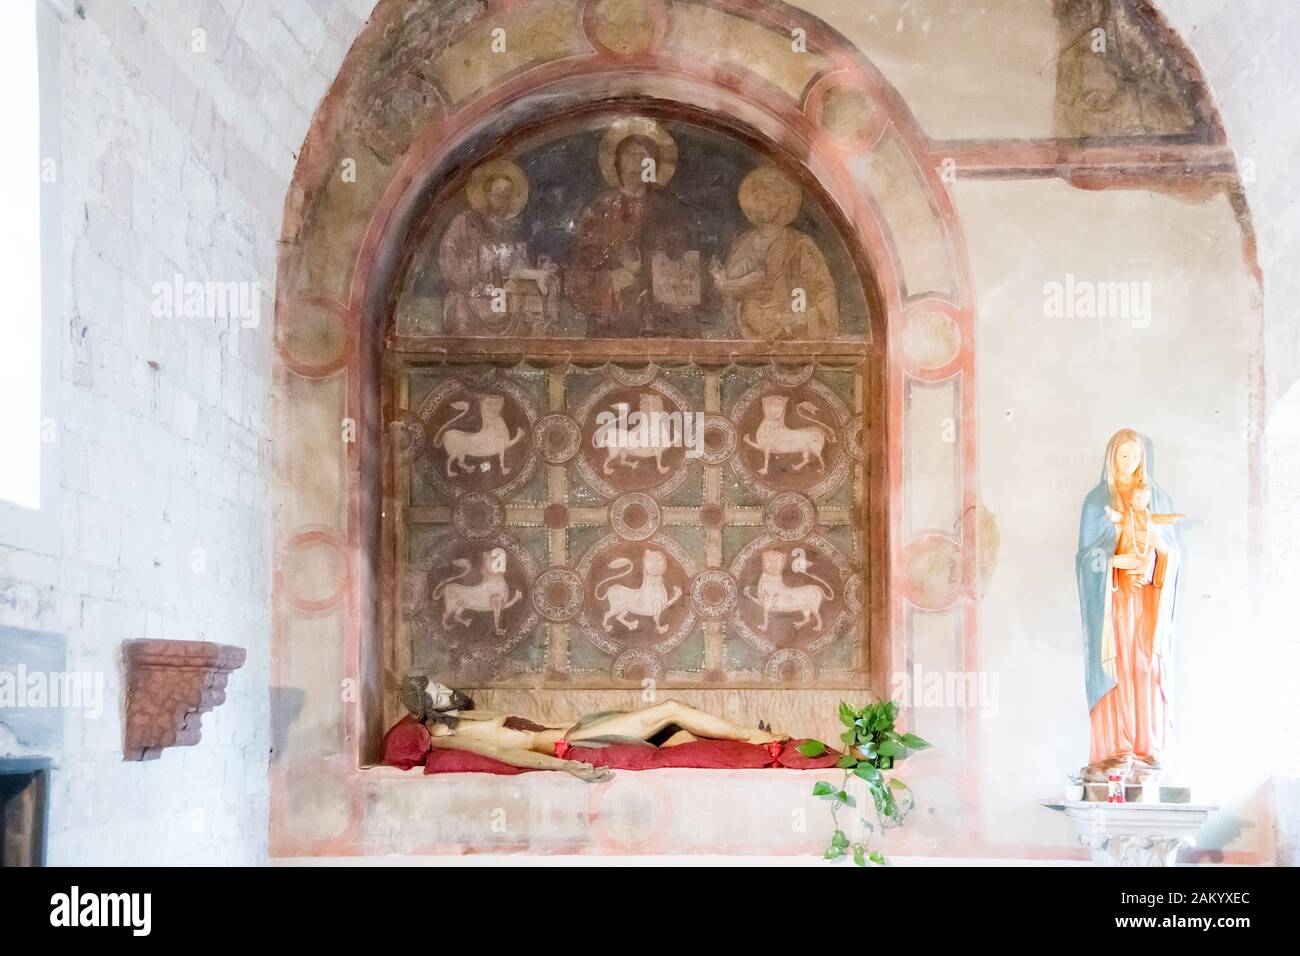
(966, 70)
(1247, 52)
(173, 161)
(1051, 392)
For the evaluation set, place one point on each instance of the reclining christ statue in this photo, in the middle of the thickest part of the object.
(454, 724)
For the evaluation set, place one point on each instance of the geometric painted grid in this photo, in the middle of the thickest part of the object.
(723, 548)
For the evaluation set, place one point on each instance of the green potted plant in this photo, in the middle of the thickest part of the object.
(871, 746)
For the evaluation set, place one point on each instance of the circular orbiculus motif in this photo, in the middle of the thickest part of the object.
(792, 376)
(411, 592)
(478, 440)
(932, 572)
(312, 334)
(557, 594)
(477, 515)
(478, 594)
(634, 377)
(636, 594)
(718, 441)
(315, 570)
(556, 516)
(792, 594)
(634, 517)
(633, 438)
(790, 516)
(636, 664)
(855, 437)
(714, 594)
(556, 438)
(624, 27)
(851, 118)
(853, 589)
(478, 376)
(397, 112)
(789, 665)
(630, 819)
(792, 439)
(407, 436)
(931, 339)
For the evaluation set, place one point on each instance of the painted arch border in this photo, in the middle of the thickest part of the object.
(357, 310)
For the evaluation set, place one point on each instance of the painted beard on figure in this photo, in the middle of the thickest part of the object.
(430, 700)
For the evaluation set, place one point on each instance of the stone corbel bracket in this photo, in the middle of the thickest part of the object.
(170, 685)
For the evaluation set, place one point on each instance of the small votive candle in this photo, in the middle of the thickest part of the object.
(1115, 788)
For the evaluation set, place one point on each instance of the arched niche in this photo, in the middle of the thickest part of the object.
(563, 515)
(383, 145)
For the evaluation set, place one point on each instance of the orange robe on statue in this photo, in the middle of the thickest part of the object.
(1130, 717)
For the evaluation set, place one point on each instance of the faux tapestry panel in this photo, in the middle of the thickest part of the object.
(602, 526)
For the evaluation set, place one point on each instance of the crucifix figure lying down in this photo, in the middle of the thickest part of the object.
(455, 724)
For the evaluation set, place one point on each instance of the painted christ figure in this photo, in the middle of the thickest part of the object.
(492, 286)
(635, 266)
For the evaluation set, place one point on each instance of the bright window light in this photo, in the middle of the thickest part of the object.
(20, 261)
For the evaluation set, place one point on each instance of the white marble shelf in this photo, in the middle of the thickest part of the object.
(1134, 834)
(1131, 805)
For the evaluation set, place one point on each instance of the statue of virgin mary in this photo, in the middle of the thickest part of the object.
(1127, 567)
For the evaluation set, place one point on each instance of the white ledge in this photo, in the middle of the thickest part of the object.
(1134, 834)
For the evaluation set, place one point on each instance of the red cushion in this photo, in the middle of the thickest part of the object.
(446, 760)
(617, 756)
(792, 758)
(721, 754)
(406, 743)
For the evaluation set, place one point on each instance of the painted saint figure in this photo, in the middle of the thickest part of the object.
(775, 283)
(492, 286)
(635, 266)
(1127, 569)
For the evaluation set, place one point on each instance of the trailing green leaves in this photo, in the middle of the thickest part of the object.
(870, 745)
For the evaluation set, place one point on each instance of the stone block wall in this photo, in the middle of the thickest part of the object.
(177, 150)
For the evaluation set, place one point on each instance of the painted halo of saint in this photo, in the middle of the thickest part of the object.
(658, 143)
(493, 286)
(768, 195)
(775, 283)
(498, 188)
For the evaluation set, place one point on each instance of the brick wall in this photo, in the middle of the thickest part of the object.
(177, 151)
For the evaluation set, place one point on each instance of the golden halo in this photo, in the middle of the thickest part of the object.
(484, 173)
(621, 129)
(770, 181)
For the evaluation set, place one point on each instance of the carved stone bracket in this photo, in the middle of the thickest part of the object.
(1134, 834)
(1114, 849)
(170, 685)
